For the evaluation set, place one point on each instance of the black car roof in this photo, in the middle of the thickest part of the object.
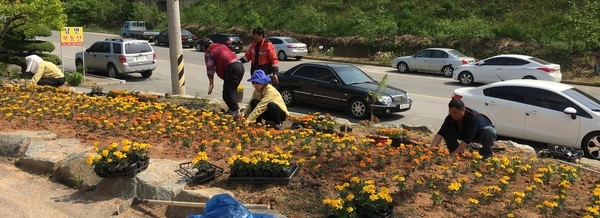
(332, 65)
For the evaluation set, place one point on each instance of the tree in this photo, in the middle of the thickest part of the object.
(25, 15)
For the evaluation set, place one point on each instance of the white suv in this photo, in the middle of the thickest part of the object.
(119, 57)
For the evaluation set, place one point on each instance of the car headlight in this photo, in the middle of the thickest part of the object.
(385, 99)
(407, 97)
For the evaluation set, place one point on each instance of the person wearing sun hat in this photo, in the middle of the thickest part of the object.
(266, 102)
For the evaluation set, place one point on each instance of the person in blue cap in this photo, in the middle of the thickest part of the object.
(266, 102)
(226, 206)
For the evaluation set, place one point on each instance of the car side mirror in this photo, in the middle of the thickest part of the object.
(571, 111)
(87, 50)
(334, 81)
(479, 63)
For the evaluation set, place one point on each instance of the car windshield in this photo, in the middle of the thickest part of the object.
(186, 33)
(137, 47)
(353, 75)
(543, 62)
(290, 40)
(456, 53)
(583, 98)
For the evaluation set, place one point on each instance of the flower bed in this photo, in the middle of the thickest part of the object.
(420, 179)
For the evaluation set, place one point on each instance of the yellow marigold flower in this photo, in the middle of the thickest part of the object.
(473, 201)
(349, 209)
(350, 197)
(478, 175)
(518, 200)
(90, 159)
(340, 187)
(374, 197)
(550, 204)
(355, 179)
(510, 215)
(104, 152)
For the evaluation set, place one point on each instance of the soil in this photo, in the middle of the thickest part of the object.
(325, 160)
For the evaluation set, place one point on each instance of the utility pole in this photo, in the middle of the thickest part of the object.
(175, 48)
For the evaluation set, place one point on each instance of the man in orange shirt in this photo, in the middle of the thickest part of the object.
(261, 54)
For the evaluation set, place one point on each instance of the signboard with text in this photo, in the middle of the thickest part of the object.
(71, 36)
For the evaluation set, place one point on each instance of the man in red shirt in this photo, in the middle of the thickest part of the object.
(221, 60)
(262, 55)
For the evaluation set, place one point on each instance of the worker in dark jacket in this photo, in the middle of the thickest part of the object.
(261, 54)
(467, 125)
(221, 60)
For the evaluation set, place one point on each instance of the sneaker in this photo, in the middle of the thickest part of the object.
(485, 157)
(278, 127)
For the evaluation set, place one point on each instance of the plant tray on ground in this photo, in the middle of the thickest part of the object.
(187, 170)
(140, 166)
(265, 180)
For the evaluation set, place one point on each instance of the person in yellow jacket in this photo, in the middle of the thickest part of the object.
(44, 72)
(266, 102)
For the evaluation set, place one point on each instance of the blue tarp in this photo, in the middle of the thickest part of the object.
(225, 206)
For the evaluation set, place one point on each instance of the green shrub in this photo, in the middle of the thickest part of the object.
(29, 46)
(81, 70)
(74, 79)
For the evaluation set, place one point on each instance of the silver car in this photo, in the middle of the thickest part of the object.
(119, 57)
(432, 60)
(288, 47)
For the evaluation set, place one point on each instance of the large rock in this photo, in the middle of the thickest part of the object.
(13, 145)
(45, 156)
(525, 148)
(75, 173)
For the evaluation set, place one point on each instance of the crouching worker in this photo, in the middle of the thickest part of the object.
(266, 102)
(467, 125)
(44, 72)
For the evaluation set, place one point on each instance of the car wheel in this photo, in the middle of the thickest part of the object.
(156, 42)
(465, 78)
(112, 71)
(288, 96)
(591, 145)
(402, 67)
(530, 77)
(298, 58)
(281, 55)
(447, 71)
(147, 74)
(78, 63)
(124, 36)
(358, 109)
(198, 47)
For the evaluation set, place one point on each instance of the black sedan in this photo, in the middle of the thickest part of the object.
(187, 38)
(337, 85)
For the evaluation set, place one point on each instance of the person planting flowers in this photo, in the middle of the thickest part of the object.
(266, 102)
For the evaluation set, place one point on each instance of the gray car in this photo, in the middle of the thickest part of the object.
(432, 60)
(119, 57)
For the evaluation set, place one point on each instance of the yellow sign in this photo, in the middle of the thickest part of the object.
(71, 36)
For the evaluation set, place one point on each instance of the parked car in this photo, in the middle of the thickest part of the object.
(541, 111)
(119, 57)
(338, 85)
(432, 60)
(505, 67)
(188, 39)
(233, 41)
(137, 30)
(288, 47)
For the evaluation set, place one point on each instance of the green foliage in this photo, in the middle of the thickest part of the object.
(150, 14)
(74, 79)
(29, 46)
(26, 16)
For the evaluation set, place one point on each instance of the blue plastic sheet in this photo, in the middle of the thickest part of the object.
(226, 206)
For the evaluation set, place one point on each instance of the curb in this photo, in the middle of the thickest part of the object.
(385, 65)
(112, 81)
